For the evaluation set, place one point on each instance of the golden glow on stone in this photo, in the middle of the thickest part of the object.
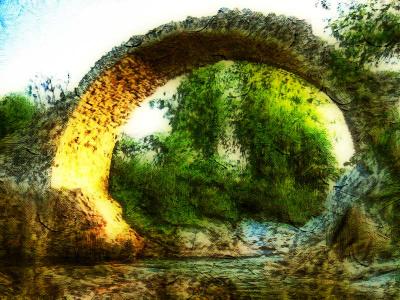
(84, 151)
(111, 211)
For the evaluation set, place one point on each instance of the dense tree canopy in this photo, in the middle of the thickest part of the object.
(246, 141)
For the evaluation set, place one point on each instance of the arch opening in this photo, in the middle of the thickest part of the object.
(125, 77)
(195, 199)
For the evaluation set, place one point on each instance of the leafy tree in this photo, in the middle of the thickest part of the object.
(271, 118)
(369, 32)
(266, 114)
(200, 111)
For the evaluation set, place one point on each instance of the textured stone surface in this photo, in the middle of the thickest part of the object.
(249, 238)
(348, 240)
(57, 225)
(348, 190)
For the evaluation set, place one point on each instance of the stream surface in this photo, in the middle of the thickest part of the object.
(198, 278)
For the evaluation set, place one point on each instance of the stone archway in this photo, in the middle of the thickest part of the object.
(79, 160)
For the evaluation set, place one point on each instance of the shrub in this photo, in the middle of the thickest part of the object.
(16, 112)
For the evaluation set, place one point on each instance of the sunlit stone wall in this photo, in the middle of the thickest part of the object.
(84, 152)
(83, 157)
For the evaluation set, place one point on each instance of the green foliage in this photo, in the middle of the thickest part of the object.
(16, 112)
(267, 114)
(279, 132)
(175, 189)
(200, 111)
(386, 142)
(369, 32)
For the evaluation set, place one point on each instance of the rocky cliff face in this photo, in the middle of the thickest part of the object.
(350, 241)
(348, 192)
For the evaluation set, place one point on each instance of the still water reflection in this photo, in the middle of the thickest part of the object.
(243, 278)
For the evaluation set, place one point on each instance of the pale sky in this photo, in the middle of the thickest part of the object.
(60, 36)
(139, 126)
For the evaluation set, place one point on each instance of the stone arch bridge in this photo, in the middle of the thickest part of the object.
(55, 200)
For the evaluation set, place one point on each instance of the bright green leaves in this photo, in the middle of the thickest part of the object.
(201, 109)
(262, 116)
(289, 154)
(272, 116)
(176, 188)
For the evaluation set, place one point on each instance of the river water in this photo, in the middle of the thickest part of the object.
(243, 278)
